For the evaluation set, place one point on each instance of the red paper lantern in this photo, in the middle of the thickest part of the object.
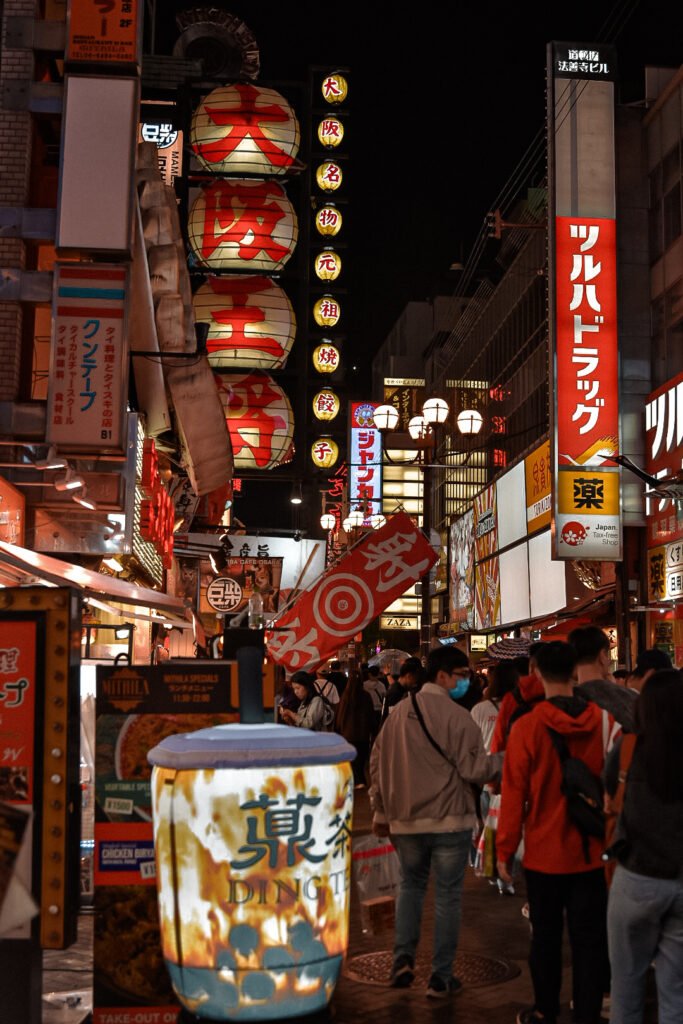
(251, 322)
(245, 129)
(243, 225)
(260, 419)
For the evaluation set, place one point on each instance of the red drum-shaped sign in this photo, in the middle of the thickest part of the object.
(245, 129)
(260, 419)
(243, 225)
(251, 322)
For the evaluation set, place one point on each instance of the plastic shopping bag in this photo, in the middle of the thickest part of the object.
(376, 873)
(485, 861)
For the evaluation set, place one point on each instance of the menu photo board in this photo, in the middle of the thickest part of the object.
(136, 707)
(461, 589)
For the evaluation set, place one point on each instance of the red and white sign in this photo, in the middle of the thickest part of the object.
(260, 419)
(251, 322)
(349, 596)
(365, 464)
(243, 225)
(86, 400)
(157, 511)
(587, 357)
(664, 458)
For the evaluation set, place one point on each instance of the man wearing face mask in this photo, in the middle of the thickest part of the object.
(423, 763)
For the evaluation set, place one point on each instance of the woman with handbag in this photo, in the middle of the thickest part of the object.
(645, 911)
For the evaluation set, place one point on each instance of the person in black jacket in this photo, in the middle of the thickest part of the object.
(645, 913)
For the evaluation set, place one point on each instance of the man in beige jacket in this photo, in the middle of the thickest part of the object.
(421, 794)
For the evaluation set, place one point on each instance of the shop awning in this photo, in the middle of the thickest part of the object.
(25, 563)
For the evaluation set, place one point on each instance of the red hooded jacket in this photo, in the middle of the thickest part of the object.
(531, 689)
(531, 795)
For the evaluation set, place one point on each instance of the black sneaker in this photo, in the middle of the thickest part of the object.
(402, 973)
(440, 989)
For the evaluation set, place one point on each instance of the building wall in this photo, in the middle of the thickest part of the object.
(15, 163)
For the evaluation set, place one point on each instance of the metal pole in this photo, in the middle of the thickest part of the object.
(425, 601)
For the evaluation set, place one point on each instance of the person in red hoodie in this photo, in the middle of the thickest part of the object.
(563, 869)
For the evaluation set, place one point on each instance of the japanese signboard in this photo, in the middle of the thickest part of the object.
(136, 707)
(104, 31)
(365, 459)
(537, 471)
(664, 458)
(583, 324)
(259, 417)
(360, 587)
(485, 523)
(229, 593)
(665, 572)
(17, 710)
(86, 401)
(407, 396)
(461, 590)
(487, 610)
(169, 143)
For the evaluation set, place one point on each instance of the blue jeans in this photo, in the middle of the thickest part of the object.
(447, 853)
(645, 924)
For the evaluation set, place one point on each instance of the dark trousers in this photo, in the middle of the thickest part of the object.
(583, 896)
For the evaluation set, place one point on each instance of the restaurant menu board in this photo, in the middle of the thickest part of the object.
(137, 707)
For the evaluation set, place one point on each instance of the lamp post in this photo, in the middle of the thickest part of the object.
(424, 430)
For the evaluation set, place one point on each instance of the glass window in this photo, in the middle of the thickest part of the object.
(672, 215)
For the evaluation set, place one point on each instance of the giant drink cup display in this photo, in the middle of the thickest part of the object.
(252, 835)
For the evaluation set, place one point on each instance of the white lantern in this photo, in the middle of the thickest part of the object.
(356, 517)
(327, 521)
(435, 410)
(469, 421)
(378, 521)
(386, 417)
(419, 429)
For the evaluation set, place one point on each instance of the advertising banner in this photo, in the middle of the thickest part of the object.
(229, 593)
(461, 591)
(665, 572)
(537, 471)
(583, 297)
(18, 682)
(407, 395)
(350, 595)
(104, 33)
(487, 594)
(485, 523)
(136, 707)
(365, 463)
(664, 458)
(86, 401)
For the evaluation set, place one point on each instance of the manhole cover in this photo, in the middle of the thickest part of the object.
(472, 969)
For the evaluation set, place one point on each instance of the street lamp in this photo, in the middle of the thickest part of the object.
(423, 431)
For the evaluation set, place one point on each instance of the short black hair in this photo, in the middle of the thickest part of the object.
(535, 648)
(521, 664)
(556, 661)
(588, 642)
(446, 659)
(653, 658)
(373, 670)
(412, 665)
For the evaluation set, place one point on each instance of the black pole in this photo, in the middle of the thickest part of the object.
(250, 681)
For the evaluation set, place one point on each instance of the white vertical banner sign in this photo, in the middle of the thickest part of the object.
(365, 463)
(87, 390)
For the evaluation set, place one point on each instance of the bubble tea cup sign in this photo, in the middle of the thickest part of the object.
(252, 830)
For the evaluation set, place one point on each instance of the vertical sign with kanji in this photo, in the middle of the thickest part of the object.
(583, 322)
(365, 468)
(86, 400)
(104, 32)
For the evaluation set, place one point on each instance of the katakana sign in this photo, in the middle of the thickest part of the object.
(345, 599)
(88, 371)
(365, 465)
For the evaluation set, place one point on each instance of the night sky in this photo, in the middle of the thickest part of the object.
(444, 102)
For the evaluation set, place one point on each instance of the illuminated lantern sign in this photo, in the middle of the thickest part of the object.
(326, 358)
(327, 311)
(324, 452)
(328, 265)
(251, 322)
(330, 132)
(365, 469)
(245, 129)
(328, 221)
(157, 511)
(259, 417)
(325, 405)
(243, 225)
(335, 88)
(329, 177)
(252, 843)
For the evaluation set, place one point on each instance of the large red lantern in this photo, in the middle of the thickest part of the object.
(245, 129)
(259, 417)
(243, 225)
(251, 322)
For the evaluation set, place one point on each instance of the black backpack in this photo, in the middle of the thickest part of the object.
(523, 707)
(583, 792)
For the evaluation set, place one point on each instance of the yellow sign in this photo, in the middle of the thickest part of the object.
(104, 33)
(326, 358)
(329, 176)
(330, 132)
(324, 452)
(327, 311)
(328, 265)
(588, 493)
(325, 405)
(335, 88)
(328, 221)
(538, 476)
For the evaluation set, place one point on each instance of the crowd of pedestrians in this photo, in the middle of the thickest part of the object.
(573, 774)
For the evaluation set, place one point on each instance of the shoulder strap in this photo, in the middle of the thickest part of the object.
(628, 745)
(517, 694)
(424, 727)
(559, 743)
